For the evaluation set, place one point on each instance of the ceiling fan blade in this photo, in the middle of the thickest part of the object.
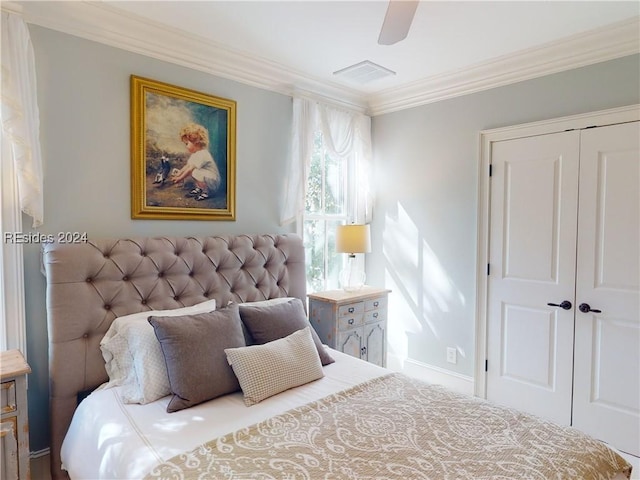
(397, 21)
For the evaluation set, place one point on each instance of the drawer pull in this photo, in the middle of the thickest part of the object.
(351, 320)
(351, 309)
(376, 303)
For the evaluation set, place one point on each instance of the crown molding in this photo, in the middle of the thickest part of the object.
(104, 24)
(11, 7)
(607, 43)
(107, 25)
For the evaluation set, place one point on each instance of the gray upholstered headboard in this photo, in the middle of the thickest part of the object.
(89, 285)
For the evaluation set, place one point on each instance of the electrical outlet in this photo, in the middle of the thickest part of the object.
(452, 355)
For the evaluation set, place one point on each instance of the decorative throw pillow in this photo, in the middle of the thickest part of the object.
(266, 370)
(277, 320)
(194, 351)
(132, 354)
(260, 303)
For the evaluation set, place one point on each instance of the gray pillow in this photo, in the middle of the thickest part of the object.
(272, 322)
(193, 349)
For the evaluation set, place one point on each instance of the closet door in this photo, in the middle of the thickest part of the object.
(532, 254)
(607, 338)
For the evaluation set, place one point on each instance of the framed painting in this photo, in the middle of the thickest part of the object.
(183, 153)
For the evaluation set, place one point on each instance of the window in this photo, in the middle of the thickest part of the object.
(12, 314)
(327, 183)
(328, 203)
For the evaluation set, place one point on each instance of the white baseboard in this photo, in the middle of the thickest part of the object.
(431, 374)
(39, 453)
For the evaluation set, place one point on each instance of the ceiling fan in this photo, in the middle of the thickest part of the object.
(397, 21)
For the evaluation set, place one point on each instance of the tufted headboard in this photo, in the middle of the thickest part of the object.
(90, 284)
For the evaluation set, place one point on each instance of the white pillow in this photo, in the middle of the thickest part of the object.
(267, 369)
(133, 357)
(266, 303)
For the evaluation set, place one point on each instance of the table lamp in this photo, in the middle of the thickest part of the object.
(352, 239)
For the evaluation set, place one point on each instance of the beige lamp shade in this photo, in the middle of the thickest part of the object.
(353, 239)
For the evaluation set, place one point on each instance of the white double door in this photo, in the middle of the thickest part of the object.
(565, 227)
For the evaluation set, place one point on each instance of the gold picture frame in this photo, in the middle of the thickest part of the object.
(183, 153)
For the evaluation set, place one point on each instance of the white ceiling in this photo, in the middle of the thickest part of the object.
(301, 43)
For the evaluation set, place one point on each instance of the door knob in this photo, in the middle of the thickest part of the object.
(565, 305)
(586, 308)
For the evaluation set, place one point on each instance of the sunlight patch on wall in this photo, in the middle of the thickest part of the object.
(438, 289)
(423, 292)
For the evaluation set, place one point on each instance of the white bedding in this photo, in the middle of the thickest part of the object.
(110, 439)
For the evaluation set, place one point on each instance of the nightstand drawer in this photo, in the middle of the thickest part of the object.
(351, 309)
(347, 323)
(8, 402)
(376, 303)
(375, 316)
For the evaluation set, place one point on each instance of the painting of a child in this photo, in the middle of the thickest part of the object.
(183, 155)
(200, 166)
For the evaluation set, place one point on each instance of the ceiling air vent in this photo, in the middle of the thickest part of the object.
(364, 72)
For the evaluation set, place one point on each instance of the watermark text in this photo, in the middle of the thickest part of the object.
(21, 238)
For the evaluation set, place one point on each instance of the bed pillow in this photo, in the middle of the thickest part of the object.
(268, 322)
(194, 352)
(263, 303)
(266, 303)
(266, 370)
(132, 354)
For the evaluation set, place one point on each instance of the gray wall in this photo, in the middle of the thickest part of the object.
(424, 220)
(83, 96)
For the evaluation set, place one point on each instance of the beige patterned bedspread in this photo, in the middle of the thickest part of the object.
(395, 427)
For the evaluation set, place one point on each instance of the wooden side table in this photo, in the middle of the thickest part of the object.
(14, 425)
(352, 322)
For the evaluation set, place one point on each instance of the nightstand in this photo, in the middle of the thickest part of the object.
(14, 426)
(352, 322)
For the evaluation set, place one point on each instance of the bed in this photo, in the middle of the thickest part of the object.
(297, 409)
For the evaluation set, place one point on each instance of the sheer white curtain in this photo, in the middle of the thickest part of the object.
(345, 134)
(349, 134)
(21, 171)
(304, 123)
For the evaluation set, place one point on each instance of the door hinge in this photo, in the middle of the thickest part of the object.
(490, 169)
(486, 365)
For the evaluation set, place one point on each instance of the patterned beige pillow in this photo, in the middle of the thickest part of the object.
(271, 368)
